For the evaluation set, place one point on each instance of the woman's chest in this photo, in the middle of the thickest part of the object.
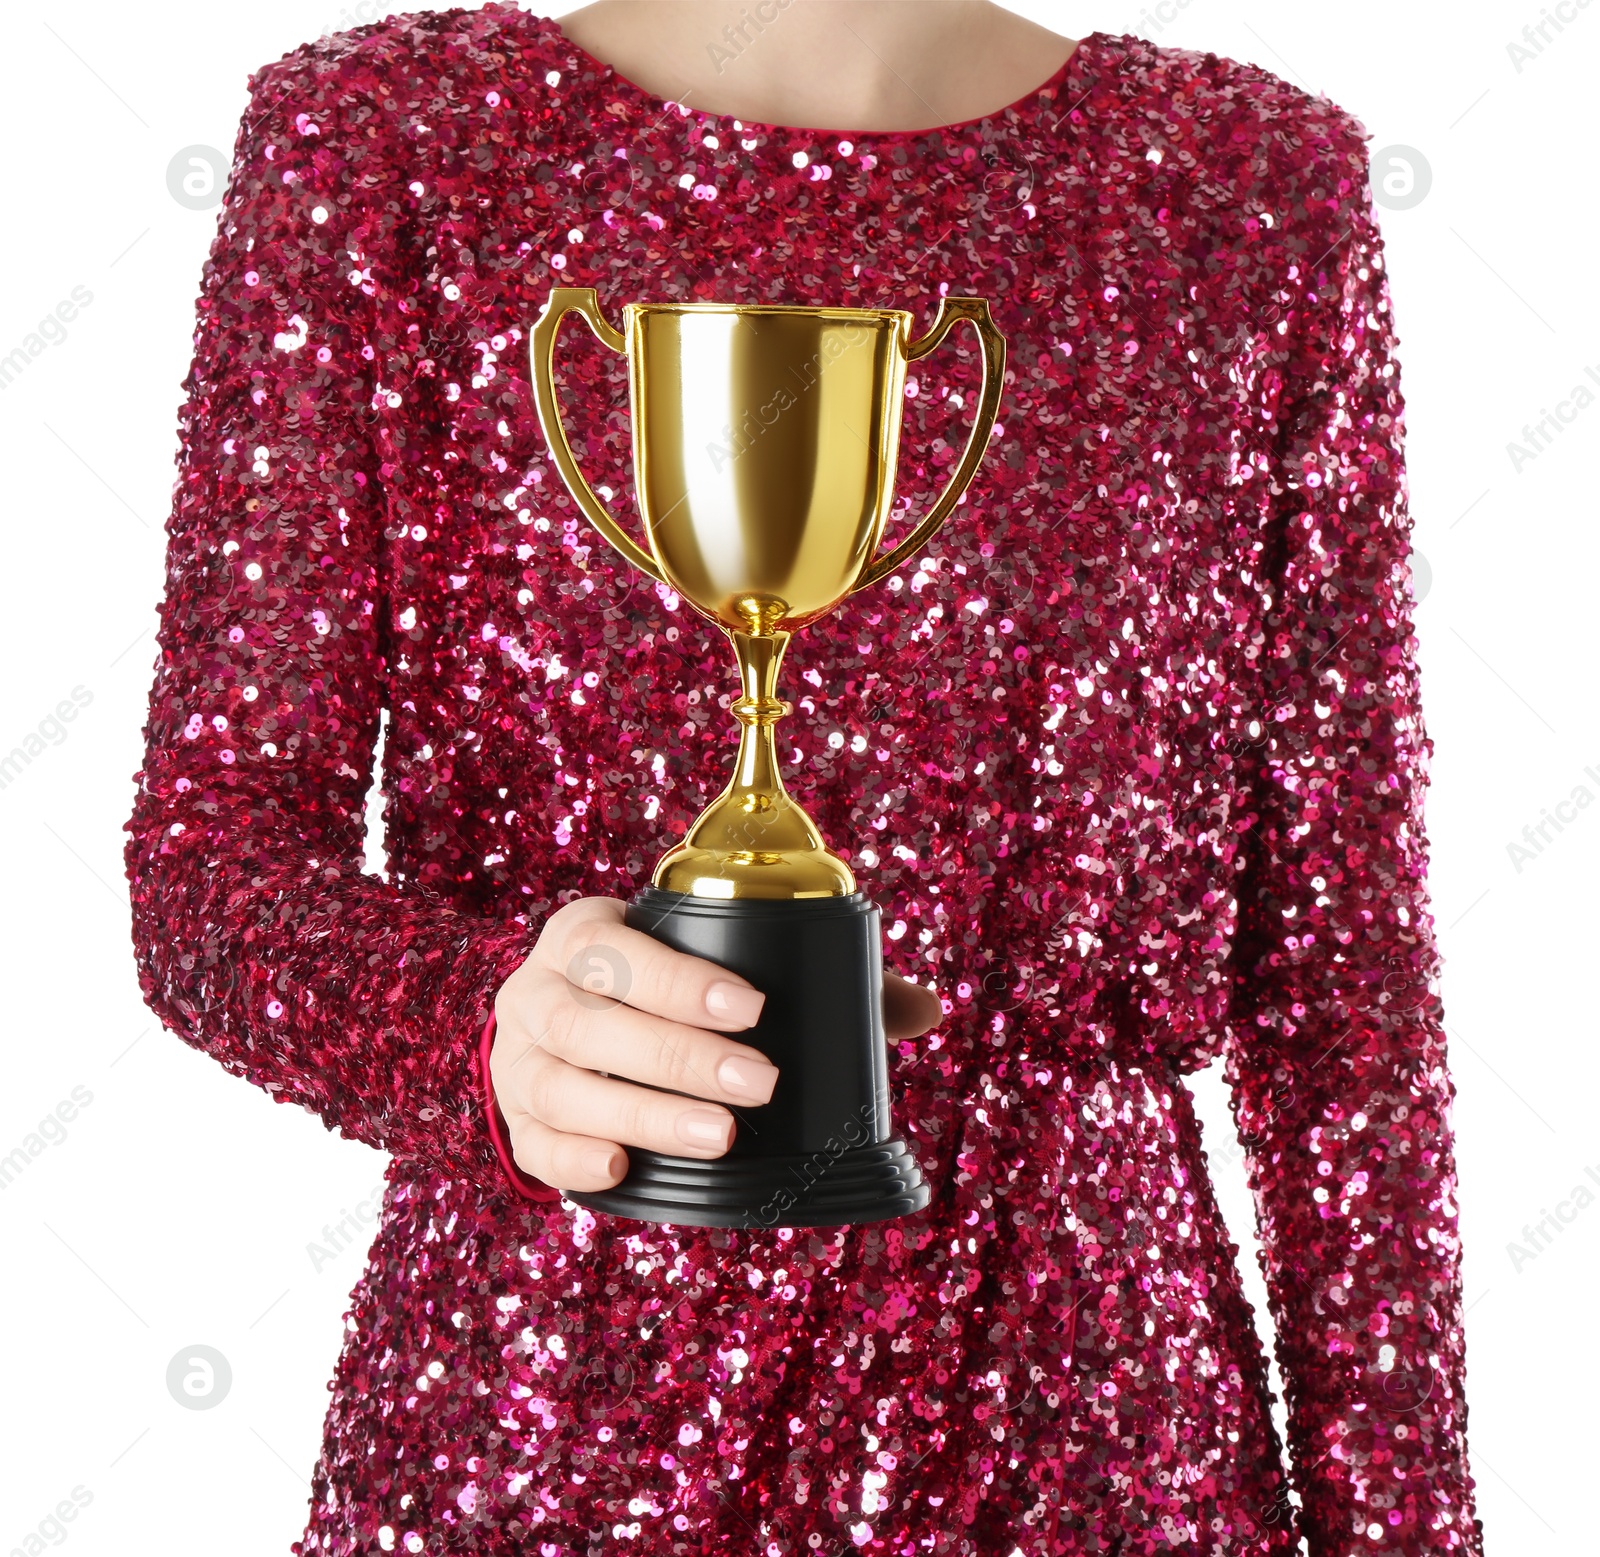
(1092, 594)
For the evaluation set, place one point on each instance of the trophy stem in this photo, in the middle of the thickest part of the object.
(758, 710)
(753, 841)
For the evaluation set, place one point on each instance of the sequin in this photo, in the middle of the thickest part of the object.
(1132, 760)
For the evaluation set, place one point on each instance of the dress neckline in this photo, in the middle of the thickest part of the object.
(1067, 75)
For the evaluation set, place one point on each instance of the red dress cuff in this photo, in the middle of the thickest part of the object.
(527, 1187)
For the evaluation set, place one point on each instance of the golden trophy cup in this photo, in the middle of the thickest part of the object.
(765, 439)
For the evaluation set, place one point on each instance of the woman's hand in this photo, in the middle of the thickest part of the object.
(598, 1007)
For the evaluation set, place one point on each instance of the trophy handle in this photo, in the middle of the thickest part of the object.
(541, 350)
(952, 310)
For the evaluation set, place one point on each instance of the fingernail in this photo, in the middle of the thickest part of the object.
(736, 1003)
(601, 1161)
(704, 1127)
(748, 1077)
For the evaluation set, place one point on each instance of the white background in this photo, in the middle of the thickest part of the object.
(179, 1206)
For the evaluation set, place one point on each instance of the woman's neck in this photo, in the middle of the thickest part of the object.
(869, 65)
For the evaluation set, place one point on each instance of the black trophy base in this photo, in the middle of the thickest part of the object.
(860, 1184)
(822, 1152)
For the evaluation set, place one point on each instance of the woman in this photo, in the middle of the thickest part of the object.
(1132, 761)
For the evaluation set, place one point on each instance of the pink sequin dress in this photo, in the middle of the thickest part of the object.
(1131, 759)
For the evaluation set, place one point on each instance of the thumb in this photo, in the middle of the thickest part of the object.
(909, 1010)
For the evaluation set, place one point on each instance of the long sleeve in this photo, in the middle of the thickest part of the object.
(1337, 1055)
(259, 940)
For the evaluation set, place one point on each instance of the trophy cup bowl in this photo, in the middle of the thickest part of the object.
(765, 445)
